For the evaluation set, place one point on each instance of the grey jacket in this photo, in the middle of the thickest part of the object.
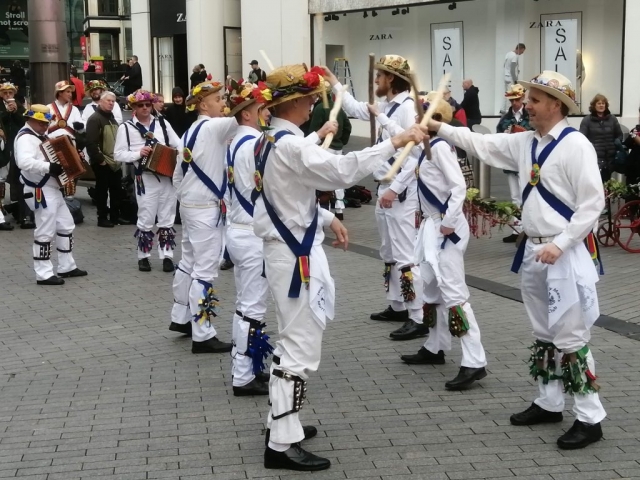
(602, 132)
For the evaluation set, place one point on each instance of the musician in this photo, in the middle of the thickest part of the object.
(288, 220)
(398, 198)
(43, 196)
(515, 120)
(95, 89)
(154, 193)
(562, 200)
(200, 181)
(66, 118)
(442, 241)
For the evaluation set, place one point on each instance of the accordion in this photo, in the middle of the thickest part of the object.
(517, 129)
(61, 150)
(161, 160)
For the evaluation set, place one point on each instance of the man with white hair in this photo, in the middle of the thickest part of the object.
(95, 89)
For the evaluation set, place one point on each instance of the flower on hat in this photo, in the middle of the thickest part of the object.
(197, 90)
(262, 93)
(141, 96)
(39, 116)
(226, 110)
(312, 77)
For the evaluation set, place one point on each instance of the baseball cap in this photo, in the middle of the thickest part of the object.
(254, 62)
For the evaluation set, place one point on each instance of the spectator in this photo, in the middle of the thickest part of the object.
(78, 93)
(125, 78)
(458, 112)
(158, 105)
(133, 76)
(176, 113)
(471, 103)
(91, 67)
(633, 162)
(198, 76)
(19, 79)
(256, 74)
(602, 129)
(511, 70)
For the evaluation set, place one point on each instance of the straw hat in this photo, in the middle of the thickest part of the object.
(63, 85)
(201, 91)
(95, 85)
(444, 110)
(557, 86)
(288, 83)
(239, 95)
(515, 92)
(141, 96)
(8, 86)
(39, 112)
(395, 64)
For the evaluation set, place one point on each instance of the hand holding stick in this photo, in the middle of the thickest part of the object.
(333, 115)
(372, 119)
(427, 116)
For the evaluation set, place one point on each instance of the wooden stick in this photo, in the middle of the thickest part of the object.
(372, 119)
(419, 111)
(325, 99)
(333, 115)
(397, 164)
(266, 59)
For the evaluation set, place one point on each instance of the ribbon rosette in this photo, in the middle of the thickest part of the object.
(149, 135)
(230, 176)
(187, 155)
(257, 178)
(535, 174)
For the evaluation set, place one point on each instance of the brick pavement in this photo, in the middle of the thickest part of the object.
(94, 385)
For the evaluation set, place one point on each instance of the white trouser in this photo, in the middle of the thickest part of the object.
(397, 229)
(507, 83)
(299, 345)
(53, 220)
(569, 335)
(339, 202)
(159, 200)
(453, 291)
(201, 231)
(516, 198)
(181, 312)
(245, 250)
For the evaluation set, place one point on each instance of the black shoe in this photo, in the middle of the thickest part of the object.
(181, 328)
(264, 377)
(6, 226)
(580, 435)
(511, 238)
(167, 265)
(76, 272)
(213, 345)
(121, 221)
(27, 224)
(391, 315)
(226, 265)
(424, 357)
(309, 432)
(466, 376)
(410, 330)
(52, 280)
(144, 265)
(534, 415)
(104, 223)
(295, 458)
(340, 216)
(254, 387)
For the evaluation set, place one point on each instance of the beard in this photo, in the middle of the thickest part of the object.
(95, 98)
(381, 91)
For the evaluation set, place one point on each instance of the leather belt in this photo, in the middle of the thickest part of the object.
(541, 240)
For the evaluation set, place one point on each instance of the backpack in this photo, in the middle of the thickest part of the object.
(75, 207)
(359, 193)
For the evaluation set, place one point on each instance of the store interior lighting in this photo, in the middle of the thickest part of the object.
(453, 6)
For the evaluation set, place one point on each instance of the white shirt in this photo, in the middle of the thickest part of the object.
(30, 160)
(210, 154)
(74, 116)
(130, 152)
(570, 173)
(93, 106)
(296, 168)
(517, 115)
(443, 177)
(509, 59)
(404, 117)
(244, 167)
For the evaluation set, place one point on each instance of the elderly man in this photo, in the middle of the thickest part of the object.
(42, 194)
(95, 89)
(471, 103)
(562, 199)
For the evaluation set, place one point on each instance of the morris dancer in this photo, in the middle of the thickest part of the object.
(66, 119)
(515, 120)
(42, 194)
(154, 193)
(201, 182)
(562, 201)
(94, 89)
(442, 241)
(398, 203)
(250, 345)
(289, 169)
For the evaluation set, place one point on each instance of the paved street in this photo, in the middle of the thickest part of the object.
(93, 384)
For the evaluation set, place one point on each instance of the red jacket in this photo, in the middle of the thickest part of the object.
(461, 116)
(79, 95)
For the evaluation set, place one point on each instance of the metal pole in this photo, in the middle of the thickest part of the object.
(485, 180)
(48, 48)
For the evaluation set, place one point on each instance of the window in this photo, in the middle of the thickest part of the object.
(107, 8)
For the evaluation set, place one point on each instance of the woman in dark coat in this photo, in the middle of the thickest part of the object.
(176, 113)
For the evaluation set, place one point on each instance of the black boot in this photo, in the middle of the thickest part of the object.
(264, 377)
(213, 345)
(226, 265)
(410, 330)
(167, 265)
(105, 223)
(181, 328)
(76, 272)
(580, 435)
(27, 224)
(144, 265)
(424, 357)
(391, 315)
(309, 432)
(511, 238)
(295, 458)
(466, 376)
(534, 415)
(254, 387)
(52, 280)
(6, 226)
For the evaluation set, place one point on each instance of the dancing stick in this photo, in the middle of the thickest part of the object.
(325, 99)
(372, 119)
(444, 81)
(419, 111)
(333, 115)
(266, 59)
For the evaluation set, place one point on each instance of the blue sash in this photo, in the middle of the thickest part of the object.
(39, 199)
(231, 162)
(190, 143)
(553, 201)
(301, 250)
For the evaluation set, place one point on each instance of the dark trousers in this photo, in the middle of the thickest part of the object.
(22, 211)
(108, 184)
(473, 121)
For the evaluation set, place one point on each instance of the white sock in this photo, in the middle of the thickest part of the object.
(279, 447)
(397, 306)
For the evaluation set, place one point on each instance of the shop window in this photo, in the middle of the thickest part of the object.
(107, 8)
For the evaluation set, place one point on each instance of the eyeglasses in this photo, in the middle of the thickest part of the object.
(144, 105)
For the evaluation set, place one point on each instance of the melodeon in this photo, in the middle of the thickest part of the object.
(517, 129)
(161, 160)
(61, 150)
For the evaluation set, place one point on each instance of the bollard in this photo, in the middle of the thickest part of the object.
(484, 180)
